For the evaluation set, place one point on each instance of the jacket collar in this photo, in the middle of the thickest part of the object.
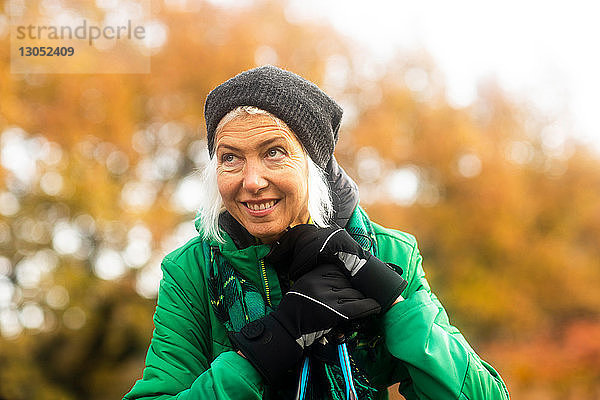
(344, 193)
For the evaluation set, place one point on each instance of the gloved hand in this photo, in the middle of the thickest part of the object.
(304, 246)
(316, 302)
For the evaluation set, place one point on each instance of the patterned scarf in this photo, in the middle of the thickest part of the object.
(236, 302)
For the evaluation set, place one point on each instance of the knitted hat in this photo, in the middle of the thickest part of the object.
(310, 113)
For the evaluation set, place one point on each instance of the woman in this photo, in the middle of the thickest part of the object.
(273, 299)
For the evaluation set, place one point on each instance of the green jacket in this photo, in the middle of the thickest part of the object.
(190, 356)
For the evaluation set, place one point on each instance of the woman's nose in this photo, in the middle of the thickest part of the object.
(254, 177)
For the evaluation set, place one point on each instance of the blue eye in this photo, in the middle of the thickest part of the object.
(227, 158)
(274, 152)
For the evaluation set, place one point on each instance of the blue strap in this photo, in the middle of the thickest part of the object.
(346, 369)
(303, 379)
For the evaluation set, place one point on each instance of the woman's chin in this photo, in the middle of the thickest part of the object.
(268, 237)
(266, 234)
(268, 229)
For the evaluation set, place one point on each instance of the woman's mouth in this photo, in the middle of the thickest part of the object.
(260, 208)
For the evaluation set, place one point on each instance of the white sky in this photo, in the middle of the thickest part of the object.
(547, 51)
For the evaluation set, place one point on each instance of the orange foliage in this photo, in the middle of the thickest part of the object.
(509, 231)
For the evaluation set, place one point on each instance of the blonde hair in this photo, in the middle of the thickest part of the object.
(320, 205)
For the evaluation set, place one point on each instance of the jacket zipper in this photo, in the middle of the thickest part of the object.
(263, 271)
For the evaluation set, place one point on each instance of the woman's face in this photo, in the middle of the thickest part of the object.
(262, 174)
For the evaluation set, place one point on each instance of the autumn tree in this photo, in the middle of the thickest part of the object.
(99, 179)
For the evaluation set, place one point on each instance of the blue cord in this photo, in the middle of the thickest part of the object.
(304, 378)
(346, 369)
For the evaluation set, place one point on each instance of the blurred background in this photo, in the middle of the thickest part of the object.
(499, 181)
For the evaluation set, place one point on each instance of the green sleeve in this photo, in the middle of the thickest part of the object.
(178, 360)
(439, 360)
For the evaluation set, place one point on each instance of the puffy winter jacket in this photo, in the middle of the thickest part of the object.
(190, 356)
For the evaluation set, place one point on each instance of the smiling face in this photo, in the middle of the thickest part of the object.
(262, 175)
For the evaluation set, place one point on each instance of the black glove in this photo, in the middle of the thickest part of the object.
(316, 302)
(304, 246)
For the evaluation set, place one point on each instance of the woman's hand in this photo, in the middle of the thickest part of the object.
(296, 252)
(304, 246)
(317, 302)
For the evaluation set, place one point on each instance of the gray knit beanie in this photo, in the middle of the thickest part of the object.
(310, 113)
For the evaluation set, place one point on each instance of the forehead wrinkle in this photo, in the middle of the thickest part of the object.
(251, 131)
(253, 122)
(229, 133)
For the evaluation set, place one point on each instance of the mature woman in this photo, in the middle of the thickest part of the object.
(290, 291)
